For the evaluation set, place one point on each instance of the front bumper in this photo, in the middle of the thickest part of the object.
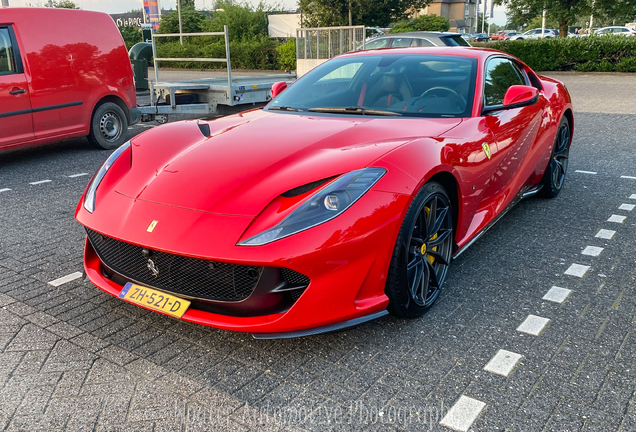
(346, 260)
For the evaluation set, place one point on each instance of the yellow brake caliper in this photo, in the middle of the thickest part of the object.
(430, 258)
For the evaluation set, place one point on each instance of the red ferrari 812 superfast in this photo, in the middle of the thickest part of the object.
(344, 199)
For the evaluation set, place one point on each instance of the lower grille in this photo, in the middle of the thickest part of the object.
(190, 277)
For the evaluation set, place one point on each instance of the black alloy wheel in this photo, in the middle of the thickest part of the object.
(422, 253)
(554, 175)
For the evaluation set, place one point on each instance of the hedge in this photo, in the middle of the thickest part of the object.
(257, 53)
(585, 54)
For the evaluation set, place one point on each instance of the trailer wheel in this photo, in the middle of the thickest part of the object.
(109, 126)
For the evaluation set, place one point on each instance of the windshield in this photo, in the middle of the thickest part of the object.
(407, 85)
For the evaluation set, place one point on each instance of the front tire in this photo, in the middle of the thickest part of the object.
(554, 175)
(422, 253)
(109, 126)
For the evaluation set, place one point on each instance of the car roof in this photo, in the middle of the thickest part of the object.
(471, 52)
(419, 33)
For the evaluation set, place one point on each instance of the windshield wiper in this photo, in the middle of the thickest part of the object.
(284, 108)
(355, 110)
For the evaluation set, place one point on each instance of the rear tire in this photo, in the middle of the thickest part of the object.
(422, 253)
(109, 126)
(554, 175)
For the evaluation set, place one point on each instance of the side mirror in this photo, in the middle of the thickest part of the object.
(277, 88)
(520, 95)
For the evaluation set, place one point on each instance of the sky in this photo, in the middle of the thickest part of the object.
(120, 6)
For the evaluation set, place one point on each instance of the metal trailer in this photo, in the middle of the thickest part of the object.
(207, 96)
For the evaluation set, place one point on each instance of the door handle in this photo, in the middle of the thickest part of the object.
(18, 91)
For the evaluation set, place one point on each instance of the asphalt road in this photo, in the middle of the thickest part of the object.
(74, 358)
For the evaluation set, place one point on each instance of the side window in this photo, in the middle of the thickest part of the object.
(7, 62)
(426, 43)
(401, 42)
(376, 44)
(501, 73)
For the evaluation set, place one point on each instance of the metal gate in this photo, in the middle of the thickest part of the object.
(317, 45)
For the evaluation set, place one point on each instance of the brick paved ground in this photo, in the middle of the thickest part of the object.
(74, 358)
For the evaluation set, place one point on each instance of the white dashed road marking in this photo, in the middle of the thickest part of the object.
(557, 294)
(617, 218)
(592, 251)
(577, 270)
(585, 172)
(628, 177)
(41, 182)
(462, 415)
(503, 362)
(5, 190)
(65, 279)
(605, 234)
(533, 325)
(77, 175)
(632, 196)
(628, 207)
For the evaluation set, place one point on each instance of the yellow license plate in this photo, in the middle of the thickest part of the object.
(153, 299)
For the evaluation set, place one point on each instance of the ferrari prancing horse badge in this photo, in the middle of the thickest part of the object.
(152, 226)
(486, 148)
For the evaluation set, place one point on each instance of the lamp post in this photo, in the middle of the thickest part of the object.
(543, 25)
(180, 29)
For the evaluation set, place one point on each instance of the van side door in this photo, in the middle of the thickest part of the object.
(16, 119)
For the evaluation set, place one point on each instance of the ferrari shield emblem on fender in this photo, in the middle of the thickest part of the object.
(153, 224)
(486, 148)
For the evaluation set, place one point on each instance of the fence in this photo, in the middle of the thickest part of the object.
(317, 45)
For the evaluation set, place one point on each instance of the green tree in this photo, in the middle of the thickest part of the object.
(613, 12)
(565, 12)
(537, 22)
(191, 21)
(243, 22)
(64, 4)
(325, 13)
(422, 23)
(131, 35)
(521, 12)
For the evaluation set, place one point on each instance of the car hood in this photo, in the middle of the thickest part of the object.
(251, 158)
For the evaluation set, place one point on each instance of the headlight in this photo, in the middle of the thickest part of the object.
(324, 205)
(89, 199)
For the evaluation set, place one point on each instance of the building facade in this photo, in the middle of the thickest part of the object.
(460, 13)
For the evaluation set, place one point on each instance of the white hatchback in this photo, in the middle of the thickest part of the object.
(536, 33)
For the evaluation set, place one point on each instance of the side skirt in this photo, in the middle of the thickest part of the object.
(526, 192)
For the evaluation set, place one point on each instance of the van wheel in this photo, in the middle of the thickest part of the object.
(109, 126)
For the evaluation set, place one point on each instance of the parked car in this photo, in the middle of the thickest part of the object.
(416, 39)
(510, 35)
(615, 30)
(535, 34)
(63, 74)
(500, 34)
(480, 37)
(344, 199)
